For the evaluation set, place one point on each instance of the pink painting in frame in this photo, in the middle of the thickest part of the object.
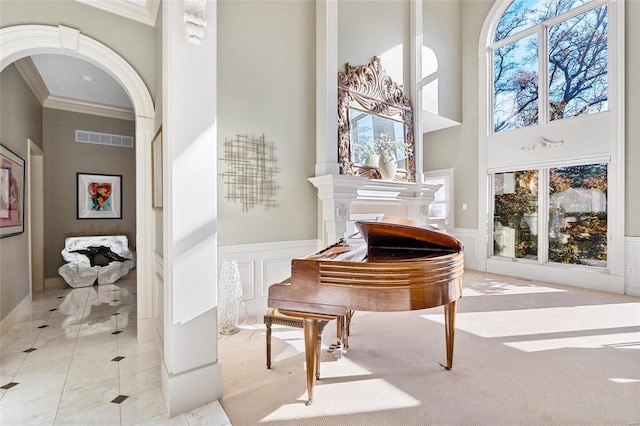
(11, 193)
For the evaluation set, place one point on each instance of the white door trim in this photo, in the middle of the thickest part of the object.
(20, 41)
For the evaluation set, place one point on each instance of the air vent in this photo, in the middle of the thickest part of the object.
(104, 138)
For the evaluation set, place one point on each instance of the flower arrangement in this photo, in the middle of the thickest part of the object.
(380, 144)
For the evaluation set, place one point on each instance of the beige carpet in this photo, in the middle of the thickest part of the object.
(526, 353)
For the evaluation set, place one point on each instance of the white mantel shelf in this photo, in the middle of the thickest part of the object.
(342, 196)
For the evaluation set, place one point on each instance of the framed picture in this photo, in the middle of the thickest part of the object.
(11, 193)
(99, 196)
(156, 169)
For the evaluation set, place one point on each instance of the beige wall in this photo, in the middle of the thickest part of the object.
(380, 28)
(63, 159)
(20, 119)
(457, 147)
(266, 85)
(632, 58)
(442, 33)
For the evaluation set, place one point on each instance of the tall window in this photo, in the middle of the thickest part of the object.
(515, 218)
(549, 62)
(576, 215)
(552, 141)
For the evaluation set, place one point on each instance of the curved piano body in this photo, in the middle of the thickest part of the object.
(398, 265)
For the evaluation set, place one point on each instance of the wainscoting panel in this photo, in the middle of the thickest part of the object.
(469, 238)
(632, 266)
(248, 278)
(274, 271)
(261, 265)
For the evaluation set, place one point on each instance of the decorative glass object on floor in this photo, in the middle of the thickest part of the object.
(229, 297)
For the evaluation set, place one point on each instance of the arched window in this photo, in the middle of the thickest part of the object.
(549, 62)
(551, 140)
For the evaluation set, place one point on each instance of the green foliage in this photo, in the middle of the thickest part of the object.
(577, 213)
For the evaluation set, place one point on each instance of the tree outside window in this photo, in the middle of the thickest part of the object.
(576, 62)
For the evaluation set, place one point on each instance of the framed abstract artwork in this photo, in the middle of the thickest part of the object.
(12, 175)
(99, 196)
(156, 169)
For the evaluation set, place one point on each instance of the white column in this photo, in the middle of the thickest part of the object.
(144, 230)
(415, 47)
(191, 373)
(327, 87)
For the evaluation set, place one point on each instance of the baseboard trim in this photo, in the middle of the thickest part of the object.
(632, 266)
(192, 389)
(10, 319)
(56, 282)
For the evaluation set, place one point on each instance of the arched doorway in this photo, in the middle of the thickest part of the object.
(20, 41)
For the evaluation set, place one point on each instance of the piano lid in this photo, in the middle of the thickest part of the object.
(399, 234)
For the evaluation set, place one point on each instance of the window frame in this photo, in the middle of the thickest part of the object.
(526, 151)
(541, 29)
(447, 175)
(543, 207)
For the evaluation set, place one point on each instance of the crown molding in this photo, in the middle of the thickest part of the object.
(128, 9)
(31, 76)
(74, 105)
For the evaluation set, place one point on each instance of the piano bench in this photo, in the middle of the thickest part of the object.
(273, 316)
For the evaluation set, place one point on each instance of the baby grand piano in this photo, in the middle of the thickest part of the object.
(399, 265)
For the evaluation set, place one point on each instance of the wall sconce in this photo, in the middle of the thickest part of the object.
(229, 297)
(194, 20)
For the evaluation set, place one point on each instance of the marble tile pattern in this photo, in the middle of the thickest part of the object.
(86, 366)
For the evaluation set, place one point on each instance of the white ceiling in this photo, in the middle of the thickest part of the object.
(68, 83)
(67, 77)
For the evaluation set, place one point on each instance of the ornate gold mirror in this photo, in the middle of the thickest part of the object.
(374, 118)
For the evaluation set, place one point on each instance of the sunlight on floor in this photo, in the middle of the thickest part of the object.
(623, 381)
(295, 339)
(498, 287)
(525, 322)
(583, 342)
(364, 394)
(569, 326)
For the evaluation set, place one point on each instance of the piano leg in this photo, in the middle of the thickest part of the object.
(310, 348)
(342, 333)
(347, 328)
(318, 350)
(449, 330)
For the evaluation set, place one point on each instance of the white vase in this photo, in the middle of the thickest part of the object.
(229, 297)
(388, 165)
(372, 160)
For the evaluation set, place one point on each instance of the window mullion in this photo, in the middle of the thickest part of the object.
(543, 216)
(491, 215)
(543, 75)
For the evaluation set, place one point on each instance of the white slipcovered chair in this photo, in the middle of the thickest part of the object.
(96, 259)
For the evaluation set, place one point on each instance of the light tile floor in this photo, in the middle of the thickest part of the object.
(72, 358)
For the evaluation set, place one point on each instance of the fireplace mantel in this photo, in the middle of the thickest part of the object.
(344, 196)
